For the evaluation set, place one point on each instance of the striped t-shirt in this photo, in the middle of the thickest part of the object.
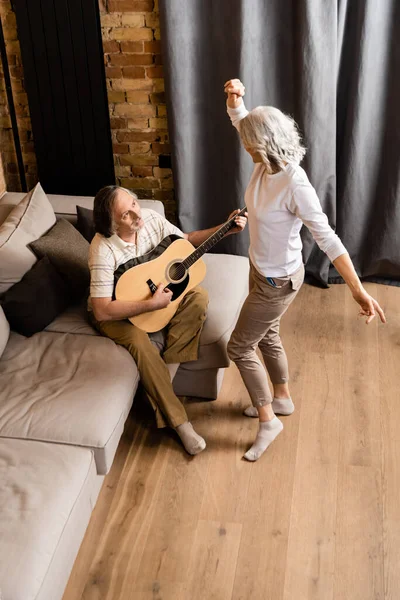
(107, 254)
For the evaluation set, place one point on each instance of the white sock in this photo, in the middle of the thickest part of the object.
(280, 406)
(267, 432)
(172, 368)
(192, 441)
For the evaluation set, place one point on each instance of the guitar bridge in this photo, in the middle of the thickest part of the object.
(152, 286)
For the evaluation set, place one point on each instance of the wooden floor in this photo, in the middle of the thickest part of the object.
(317, 517)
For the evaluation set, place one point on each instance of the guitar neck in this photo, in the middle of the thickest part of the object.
(211, 241)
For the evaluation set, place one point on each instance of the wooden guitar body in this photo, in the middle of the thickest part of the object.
(137, 284)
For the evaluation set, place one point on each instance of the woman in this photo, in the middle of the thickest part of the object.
(279, 199)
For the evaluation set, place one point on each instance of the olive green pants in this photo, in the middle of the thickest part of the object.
(182, 345)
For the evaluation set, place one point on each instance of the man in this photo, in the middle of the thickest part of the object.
(126, 231)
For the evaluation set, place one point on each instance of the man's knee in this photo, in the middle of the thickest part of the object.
(127, 335)
(197, 299)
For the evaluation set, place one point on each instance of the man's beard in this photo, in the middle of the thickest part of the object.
(129, 229)
(137, 226)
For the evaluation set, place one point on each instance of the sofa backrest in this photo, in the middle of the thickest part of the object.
(65, 206)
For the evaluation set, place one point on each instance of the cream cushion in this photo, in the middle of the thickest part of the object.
(4, 331)
(47, 493)
(26, 222)
(68, 389)
(73, 320)
(5, 209)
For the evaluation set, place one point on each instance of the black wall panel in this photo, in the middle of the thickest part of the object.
(62, 56)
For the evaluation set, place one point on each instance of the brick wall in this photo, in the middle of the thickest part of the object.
(135, 87)
(10, 164)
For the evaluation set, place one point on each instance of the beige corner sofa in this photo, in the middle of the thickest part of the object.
(65, 394)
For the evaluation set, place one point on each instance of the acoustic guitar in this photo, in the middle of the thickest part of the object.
(177, 265)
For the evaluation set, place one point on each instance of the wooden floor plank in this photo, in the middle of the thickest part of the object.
(389, 371)
(359, 541)
(131, 438)
(229, 438)
(156, 591)
(261, 564)
(213, 561)
(119, 550)
(311, 547)
(173, 526)
(360, 412)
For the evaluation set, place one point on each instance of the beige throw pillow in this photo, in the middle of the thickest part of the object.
(27, 221)
(5, 210)
(4, 331)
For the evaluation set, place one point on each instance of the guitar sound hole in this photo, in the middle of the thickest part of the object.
(178, 288)
(176, 272)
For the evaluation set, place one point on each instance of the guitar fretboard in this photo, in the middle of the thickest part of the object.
(211, 241)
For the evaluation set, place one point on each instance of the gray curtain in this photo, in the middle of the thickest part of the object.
(334, 66)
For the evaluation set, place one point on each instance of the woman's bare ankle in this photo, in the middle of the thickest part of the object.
(265, 413)
(281, 391)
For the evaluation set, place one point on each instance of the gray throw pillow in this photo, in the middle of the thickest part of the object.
(35, 301)
(85, 223)
(68, 250)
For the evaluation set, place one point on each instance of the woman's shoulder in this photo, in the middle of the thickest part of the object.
(297, 176)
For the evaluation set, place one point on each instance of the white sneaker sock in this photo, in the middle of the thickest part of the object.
(267, 432)
(191, 440)
(280, 406)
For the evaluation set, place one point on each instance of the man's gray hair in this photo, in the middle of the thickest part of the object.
(274, 135)
(103, 209)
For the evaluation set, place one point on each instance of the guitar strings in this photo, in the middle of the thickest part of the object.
(178, 270)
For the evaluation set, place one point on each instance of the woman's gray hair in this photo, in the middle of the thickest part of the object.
(274, 135)
(103, 209)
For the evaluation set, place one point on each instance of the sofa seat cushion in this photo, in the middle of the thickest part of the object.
(69, 389)
(73, 320)
(41, 488)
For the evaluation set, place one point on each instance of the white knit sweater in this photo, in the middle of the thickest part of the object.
(277, 206)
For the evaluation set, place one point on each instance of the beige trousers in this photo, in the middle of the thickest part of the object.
(182, 344)
(258, 326)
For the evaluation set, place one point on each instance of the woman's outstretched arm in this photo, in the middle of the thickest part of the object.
(369, 307)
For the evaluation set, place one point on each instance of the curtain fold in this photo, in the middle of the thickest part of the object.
(333, 66)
